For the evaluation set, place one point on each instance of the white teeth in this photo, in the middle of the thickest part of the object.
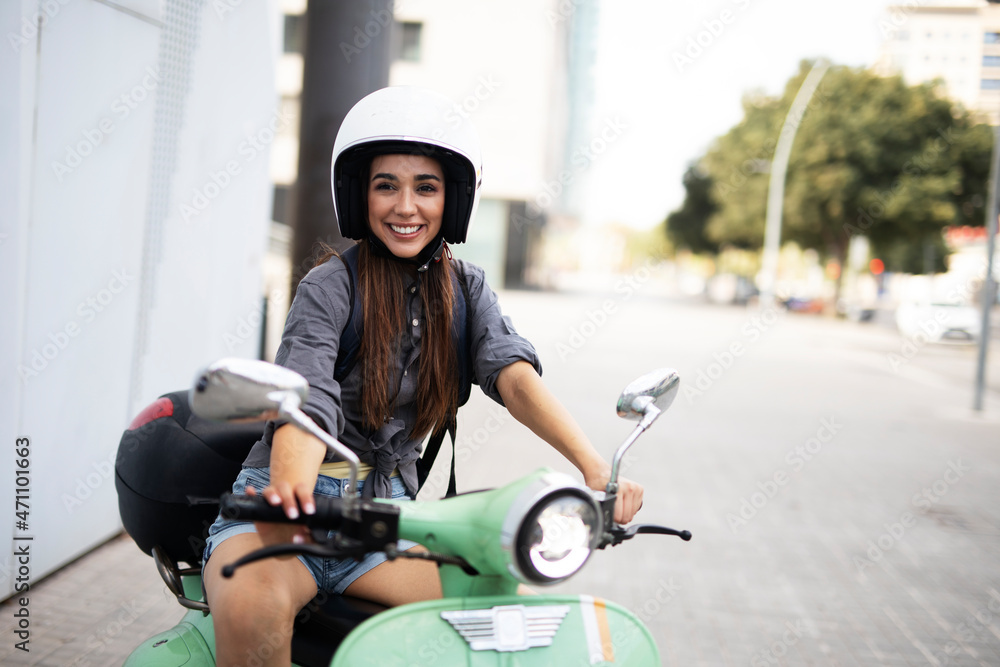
(404, 230)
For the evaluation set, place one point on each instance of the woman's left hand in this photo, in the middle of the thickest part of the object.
(629, 495)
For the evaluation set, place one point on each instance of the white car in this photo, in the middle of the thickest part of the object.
(939, 321)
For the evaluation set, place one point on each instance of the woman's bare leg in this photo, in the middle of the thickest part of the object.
(399, 582)
(254, 610)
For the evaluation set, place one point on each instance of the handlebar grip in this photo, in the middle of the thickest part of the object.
(329, 511)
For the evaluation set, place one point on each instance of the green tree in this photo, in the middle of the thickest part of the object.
(871, 156)
(685, 227)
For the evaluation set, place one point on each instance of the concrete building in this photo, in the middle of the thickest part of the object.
(521, 74)
(955, 42)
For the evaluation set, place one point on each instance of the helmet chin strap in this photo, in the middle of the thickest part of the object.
(431, 253)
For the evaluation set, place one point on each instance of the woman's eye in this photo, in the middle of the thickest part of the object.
(384, 185)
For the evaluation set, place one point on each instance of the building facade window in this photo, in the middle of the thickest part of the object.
(991, 61)
(295, 32)
(991, 38)
(408, 41)
(990, 84)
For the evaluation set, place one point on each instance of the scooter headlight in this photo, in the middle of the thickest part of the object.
(557, 536)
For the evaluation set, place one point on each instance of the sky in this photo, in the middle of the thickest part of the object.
(670, 76)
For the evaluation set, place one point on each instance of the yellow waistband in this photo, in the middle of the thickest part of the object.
(342, 470)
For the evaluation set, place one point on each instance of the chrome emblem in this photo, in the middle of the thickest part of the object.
(508, 627)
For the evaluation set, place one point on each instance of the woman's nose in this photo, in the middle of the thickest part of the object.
(406, 203)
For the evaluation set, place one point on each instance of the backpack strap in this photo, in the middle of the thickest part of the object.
(426, 462)
(464, 348)
(463, 319)
(350, 337)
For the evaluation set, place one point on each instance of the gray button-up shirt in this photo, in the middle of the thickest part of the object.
(309, 346)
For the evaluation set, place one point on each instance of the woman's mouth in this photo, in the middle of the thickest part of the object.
(405, 230)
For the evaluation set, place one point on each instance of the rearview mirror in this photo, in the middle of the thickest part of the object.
(643, 400)
(657, 388)
(244, 390)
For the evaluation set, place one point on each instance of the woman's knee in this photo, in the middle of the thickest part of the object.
(275, 588)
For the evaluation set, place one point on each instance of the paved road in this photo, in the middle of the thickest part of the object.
(843, 496)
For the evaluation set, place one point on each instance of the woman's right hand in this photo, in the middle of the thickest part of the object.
(292, 499)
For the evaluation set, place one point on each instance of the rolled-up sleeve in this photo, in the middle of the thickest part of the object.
(495, 343)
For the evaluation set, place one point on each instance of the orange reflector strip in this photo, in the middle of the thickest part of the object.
(605, 629)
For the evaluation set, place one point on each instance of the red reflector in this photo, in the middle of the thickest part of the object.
(161, 407)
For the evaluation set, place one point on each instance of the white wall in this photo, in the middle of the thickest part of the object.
(112, 117)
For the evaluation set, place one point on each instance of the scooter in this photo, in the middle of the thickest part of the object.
(538, 530)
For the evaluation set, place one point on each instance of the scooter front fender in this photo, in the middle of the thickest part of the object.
(187, 644)
(584, 631)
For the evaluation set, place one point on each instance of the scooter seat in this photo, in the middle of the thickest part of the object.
(323, 624)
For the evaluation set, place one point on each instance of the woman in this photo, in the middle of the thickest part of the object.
(405, 177)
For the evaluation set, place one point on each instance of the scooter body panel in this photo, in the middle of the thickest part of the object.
(591, 632)
(189, 644)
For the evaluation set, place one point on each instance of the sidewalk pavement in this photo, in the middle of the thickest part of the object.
(92, 612)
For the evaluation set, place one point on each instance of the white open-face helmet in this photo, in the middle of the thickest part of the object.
(405, 119)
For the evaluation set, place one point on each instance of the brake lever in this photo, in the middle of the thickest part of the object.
(352, 549)
(619, 534)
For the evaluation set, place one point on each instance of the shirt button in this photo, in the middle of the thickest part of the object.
(413, 288)
(416, 322)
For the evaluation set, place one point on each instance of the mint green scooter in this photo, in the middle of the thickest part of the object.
(538, 530)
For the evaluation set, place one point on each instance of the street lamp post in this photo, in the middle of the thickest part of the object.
(989, 286)
(776, 187)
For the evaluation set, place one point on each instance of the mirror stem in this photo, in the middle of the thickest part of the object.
(290, 410)
(650, 413)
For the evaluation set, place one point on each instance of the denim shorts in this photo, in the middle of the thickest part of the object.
(331, 574)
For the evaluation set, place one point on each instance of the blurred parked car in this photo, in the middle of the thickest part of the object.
(729, 288)
(939, 321)
(800, 305)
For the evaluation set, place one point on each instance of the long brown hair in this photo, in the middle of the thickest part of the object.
(383, 282)
(382, 292)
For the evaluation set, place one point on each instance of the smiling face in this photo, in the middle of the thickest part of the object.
(405, 202)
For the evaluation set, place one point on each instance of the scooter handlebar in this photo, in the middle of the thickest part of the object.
(329, 511)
